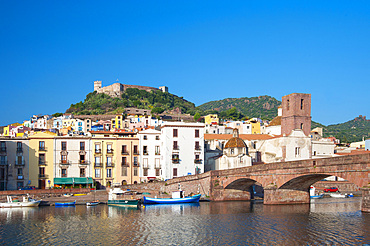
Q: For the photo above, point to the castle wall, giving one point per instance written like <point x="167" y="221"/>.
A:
<point x="116" y="89"/>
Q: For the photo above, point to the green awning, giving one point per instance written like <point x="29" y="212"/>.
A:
<point x="71" y="181"/>
<point x="83" y="180"/>
<point x="62" y="181"/>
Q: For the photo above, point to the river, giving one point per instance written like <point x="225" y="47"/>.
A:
<point x="325" y="221"/>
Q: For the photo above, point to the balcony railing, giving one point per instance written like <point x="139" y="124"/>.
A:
<point x="19" y="163"/>
<point x="176" y="160"/>
<point x="64" y="175"/>
<point x="98" y="164"/>
<point x="43" y="149"/>
<point x="197" y="161"/>
<point x="97" y="151"/>
<point x="124" y="152"/>
<point x="65" y="162"/>
<point x="83" y="162"/>
<point x="157" y="153"/>
<point x="176" y="147"/>
<point x="145" y="153"/>
<point x="109" y="164"/>
<point x="136" y="153"/>
<point x="43" y="176"/>
<point x="125" y="164"/>
<point x="43" y="163"/>
<point x="109" y="151"/>
<point x="198" y="148"/>
<point x="19" y="150"/>
<point x="20" y="177"/>
<point x="136" y="164"/>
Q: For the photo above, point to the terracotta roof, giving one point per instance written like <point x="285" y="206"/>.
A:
<point x="355" y="152"/>
<point x="276" y="121"/>
<point x="242" y="136"/>
<point x="235" y="143"/>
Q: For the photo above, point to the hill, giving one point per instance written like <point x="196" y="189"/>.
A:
<point x="157" y="101"/>
<point x="264" y="107"/>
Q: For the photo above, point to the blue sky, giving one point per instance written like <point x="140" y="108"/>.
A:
<point x="52" y="51"/>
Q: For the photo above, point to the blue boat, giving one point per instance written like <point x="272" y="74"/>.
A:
<point x="150" y="200"/>
<point x="59" y="204"/>
<point x="317" y="196"/>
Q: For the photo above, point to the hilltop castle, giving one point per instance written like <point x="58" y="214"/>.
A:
<point x="117" y="89"/>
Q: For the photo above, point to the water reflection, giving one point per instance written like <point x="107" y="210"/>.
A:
<point x="324" y="222"/>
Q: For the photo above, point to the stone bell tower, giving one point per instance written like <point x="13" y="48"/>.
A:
<point x="296" y="113"/>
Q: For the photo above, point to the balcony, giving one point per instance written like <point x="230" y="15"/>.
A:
<point x="198" y="148"/>
<point x="109" y="164"/>
<point x="20" y="177"/>
<point x="43" y="163"/>
<point x="83" y="162"/>
<point x="157" y="153"/>
<point x="176" y="161"/>
<point x="43" y="149"/>
<point x="197" y="161"/>
<point x="176" y="147"/>
<point x="98" y="164"/>
<point x="43" y="176"/>
<point x="65" y="162"/>
<point x="109" y="151"/>
<point x="19" y="150"/>
<point x="124" y="152"/>
<point x="19" y="163"/>
<point x="145" y="153"/>
<point x="136" y="153"/>
<point x="97" y="151"/>
<point x="124" y="164"/>
<point x="136" y="164"/>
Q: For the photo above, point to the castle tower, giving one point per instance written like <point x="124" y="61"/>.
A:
<point x="97" y="85"/>
<point x="163" y="88"/>
<point x="296" y="113"/>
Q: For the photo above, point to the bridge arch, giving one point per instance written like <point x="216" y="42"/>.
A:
<point x="303" y="183"/>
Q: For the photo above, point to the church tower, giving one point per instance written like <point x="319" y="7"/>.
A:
<point x="296" y="113"/>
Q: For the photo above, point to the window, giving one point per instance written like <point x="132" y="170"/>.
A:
<point x="124" y="171"/>
<point x="157" y="150"/>
<point x="156" y="137"/>
<point x="197" y="133"/>
<point x="175" y="133"/>
<point x="175" y="146"/>
<point x="145" y="172"/>
<point x="135" y="171"/>
<point x="97" y="148"/>
<point x="20" y="184"/>
<point x="64" y="145"/>
<point x="97" y="161"/>
<point x="301" y="104"/>
<point x="19" y="160"/>
<point x="297" y="151"/>
<point x="42" y="159"/>
<point x="82" y="158"/>
<point x="124" y="149"/>
<point x="231" y="151"/>
<point x="157" y="172"/>
<point x="109" y="161"/>
<point x="135" y="161"/>
<point x="197" y="147"/>
<point x="124" y="161"/>
<point x="135" y="150"/>
<point x="64" y="159"/>
<point x="19" y="171"/>
<point x="97" y="173"/>
<point x="175" y="172"/>
<point x="41" y="145"/>
<point x="109" y="173"/>
<point x="145" y="150"/>
<point x="19" y="146"/>
<point x="82" y="145"/>
<point x="301" y="125"/>
<point x="145" y="137"/>
<point x="314" y="153"/>
<point x="82" y="172"/>
<point x="64" y="172"/>
<point x="145" y="163"/>
<point x="109" y="149"/>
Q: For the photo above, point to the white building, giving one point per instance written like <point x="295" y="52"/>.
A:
<point x="72" y="157"/>
<point x="150" y="155"/>
<point x="182" y="149"/>
<point x="322" y="148"/>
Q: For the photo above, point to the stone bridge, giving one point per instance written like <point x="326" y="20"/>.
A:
<point x="283" y="182"/>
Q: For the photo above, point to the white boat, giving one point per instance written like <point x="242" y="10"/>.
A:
<point x="313" y="194"/>
<point x="92" y="203"/>
<point x="337" y="195"/>
<point x="27" y="202"/>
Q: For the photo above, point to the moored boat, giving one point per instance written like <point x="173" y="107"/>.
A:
<point x="26" y="202"/>
<point x="115" y="198"/>
<point x="60" y="204"/>
<point x="337" y="195"/>
<point x="317" y="196"/>
<point x="150" y="200"/>
<point x="93" y="203"/>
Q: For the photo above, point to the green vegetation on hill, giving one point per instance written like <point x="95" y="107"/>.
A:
<point x="157" y="101"/>
<point x="264" y="107"/>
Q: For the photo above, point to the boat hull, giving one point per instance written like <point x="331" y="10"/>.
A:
<point x="63" y="204"/>
<point x="149" y="200"/>
<point x="124" y="203"/>
<point x="92" y="203"/>
<point x="19" y="204"/>
<point x="317" y="197"/>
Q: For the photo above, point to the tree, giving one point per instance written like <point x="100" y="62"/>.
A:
<point x="197" y="116"/>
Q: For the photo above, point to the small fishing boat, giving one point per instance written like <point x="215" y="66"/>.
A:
<point x="93" y="203"/>
<point x="313" y="194"/>
<point x="337" y="195"/>
<point x="150" y="200"/>
<point x="317" y="196"/>
<point x="60" y="204"/>
<point x="26" y="202"/>
<point x="115" y="198"/>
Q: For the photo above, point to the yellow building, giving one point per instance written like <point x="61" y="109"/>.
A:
<point x="104" y="158"/>
<point x="256" y="126"/>
<point x="117" y="122"/>
<point x="41" y="159"/>
<point x="9" y="127"/>
<point x="66" y="123"/>
<point x="211" y="119"/>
